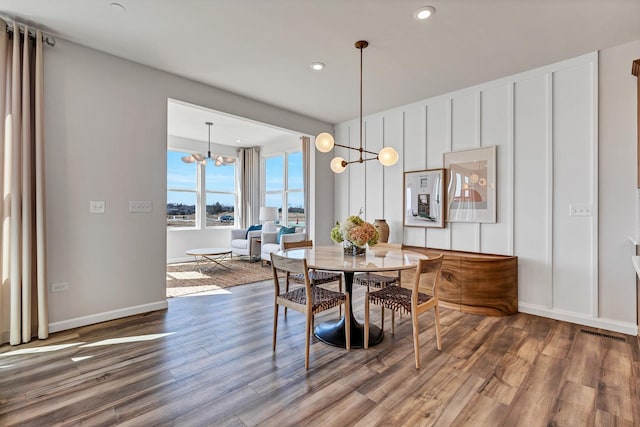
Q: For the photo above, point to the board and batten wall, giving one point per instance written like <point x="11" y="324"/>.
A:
<point x="544" y="123"/>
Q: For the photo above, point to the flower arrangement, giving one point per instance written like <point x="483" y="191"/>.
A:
<point x="354" y="231"/>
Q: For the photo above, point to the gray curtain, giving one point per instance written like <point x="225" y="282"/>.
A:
<point x="249" y="184"/>
<point x="23" y="293"/>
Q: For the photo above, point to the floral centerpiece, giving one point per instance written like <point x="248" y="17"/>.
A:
<point x="355" y="233"/>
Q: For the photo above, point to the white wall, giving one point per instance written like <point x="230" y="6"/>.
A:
<point x="545" y="125"/>
<point x="106" y="139"/>
<point x="618" y="194"/>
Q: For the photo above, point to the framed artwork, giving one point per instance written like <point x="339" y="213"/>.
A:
<point x="424" y="198"/>
<point x="471" y="185"/>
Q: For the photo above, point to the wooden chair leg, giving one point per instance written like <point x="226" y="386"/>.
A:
<point x="393" y="322"/>
<point x="286" y="289"/>
<point x="416" y="341"/>
<point x="307" y="340"/>
<point x="340" y="290"/>
<point x="275" y="325"/>
<point x="437" y="316"/>
<point x="382" y="317"/>
<point x="347" y="328"/>
<point x="366" y="320"/>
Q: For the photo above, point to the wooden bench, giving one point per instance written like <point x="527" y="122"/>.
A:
<point x="476" y="283"/>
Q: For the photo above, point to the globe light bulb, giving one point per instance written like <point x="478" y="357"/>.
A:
<point x="338" y="165"/>
<point x="388" y="156"/>
<point x="324" y="142"/>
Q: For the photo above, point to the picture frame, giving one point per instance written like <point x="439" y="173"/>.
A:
<point x="471" y="185"/>
<point x="424" y="198"/>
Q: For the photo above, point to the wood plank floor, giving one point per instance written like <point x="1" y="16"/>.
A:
<point x="207" y="361"/>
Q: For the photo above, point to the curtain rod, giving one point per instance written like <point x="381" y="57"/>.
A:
<point x="45" y="38"/>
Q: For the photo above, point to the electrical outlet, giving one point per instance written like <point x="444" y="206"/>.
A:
<point x="59" y="287"/>
<point x="96" y="207"/>
<point x="580" y="210"/>
<point x="137" y="206"/>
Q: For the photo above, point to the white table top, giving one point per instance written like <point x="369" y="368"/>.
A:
<point x="208" y="251"/>
<point x="332" y="258"/>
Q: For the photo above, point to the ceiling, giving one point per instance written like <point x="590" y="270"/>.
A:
<point x="189" y="121"/>
<point x="262" y="49"/>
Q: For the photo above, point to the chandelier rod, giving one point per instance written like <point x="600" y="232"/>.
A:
<point x="361" y="45"/>
<point x="209" y="124"/>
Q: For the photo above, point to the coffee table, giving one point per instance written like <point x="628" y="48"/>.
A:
<point x="214" y="255"/>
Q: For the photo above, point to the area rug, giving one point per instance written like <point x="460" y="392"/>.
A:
<point x="185" y="279"/>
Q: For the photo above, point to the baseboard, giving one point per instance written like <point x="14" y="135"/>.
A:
<point x="107" y="315"/>
<point x="594" y="322"/>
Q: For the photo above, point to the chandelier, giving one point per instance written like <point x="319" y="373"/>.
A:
<point x="218" y="159"/>
<point x="324" y="142"/>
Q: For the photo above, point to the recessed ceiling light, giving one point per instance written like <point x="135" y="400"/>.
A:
<point x="317" y="66"/>
<point x="424" y="12"/>
<point x="118" y="7"/>
<point x="238" y="141"/>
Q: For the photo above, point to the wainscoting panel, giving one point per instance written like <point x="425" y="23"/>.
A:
<point x="464" y="136"/>
<point x="415" y="157"/>
<point x="374" y="184"/>
<point x="437" y="145"/>
<point x="341" y="180"/>
<point x="464" y="122"/>
<point x="358" y="197"/>
<point x="533" y="191"/>
<point x="575" y="185"/>
<point x="496" y="128"/>
<point x="393" y="176"/>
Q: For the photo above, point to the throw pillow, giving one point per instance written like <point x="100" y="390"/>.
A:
<point x="285" y="230"/>
<point x="253" y="228"/>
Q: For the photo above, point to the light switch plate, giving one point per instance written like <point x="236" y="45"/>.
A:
<point x="96" y="207"/>
<point x="137" y="206"/>
<point x="580" y="210"/>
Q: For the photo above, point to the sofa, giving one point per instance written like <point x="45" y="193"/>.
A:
<point x="245" y="243"/>
<point x="269" y="245"/>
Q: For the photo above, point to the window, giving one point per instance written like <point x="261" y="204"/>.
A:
<point x="182" y="191"/>
<point x="283" y="186"/>
<point x="220" y="188"/>
<point x="199" y="195"/>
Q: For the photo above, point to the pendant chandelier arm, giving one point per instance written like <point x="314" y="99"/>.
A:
<point x="356" y="149"/>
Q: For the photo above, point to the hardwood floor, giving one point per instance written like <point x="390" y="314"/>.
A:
<point x="207" y="360"/>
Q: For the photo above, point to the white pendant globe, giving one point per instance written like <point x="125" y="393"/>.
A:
<point x="324" y="142"/>
<point x="337" y="165"/>
<point x="388" y="156"/>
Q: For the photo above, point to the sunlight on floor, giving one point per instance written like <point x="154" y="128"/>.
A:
<point x="123" y="340"/>
<point x="186" y="275"/>
<point x="80" y="358"/>
<point x="186" y="291"/>
<point x="43" y="349"/>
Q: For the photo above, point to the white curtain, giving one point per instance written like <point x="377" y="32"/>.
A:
<point x="23" y="293"/>
<point x="306" y="177"/>
<point x="249" y="184"/>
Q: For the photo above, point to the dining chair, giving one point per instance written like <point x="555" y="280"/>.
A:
<point x="316" y="277"/>
<point x="309" y="300"/>
<point x="379" y="281"/>
<point x="411" y="301"/>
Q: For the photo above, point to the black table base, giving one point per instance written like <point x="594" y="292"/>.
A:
<point x="332" y="332"/>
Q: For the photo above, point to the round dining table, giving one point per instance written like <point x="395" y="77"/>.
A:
<point x="332" y="258"/>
